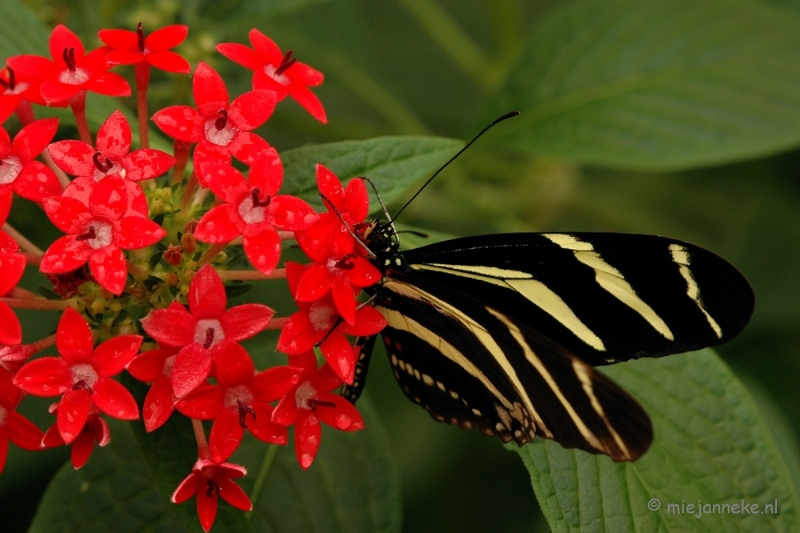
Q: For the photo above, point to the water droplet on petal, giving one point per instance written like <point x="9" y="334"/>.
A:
<point x="343" y="421"/>
<point x="306" y="459"/>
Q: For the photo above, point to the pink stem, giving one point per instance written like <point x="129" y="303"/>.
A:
<point x="63" y="179"/>
<point x="202" y="444"/>
<point x="142" y="81"/>
<point x="23" y="242"/>
<point x="250" y="275"/>
<point x="25" y="112"/>
<point x="181" y="154"/>
<point x="278" y="323"/>
<point x="78" y="105"/>
<point x="46" y="305"/>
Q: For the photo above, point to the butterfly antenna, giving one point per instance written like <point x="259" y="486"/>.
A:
<point x="385" y="211"/>
<point x="358" y="239"/>
<point x="484" y="130"/>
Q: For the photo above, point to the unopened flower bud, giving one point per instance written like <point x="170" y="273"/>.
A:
<point x="173" y="255"/>
<point x="184" y="289"/>
<point x="156" y="207"/>
<point x="190" y="226"/>
<point x="165" y="195"/>
<point x="189" y="243"/>
<point x="171" y="279"/>
<point x="98" y="306"/>
<point x="114" y="306"/>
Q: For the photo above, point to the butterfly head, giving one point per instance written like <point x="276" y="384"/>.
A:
<point x="381" y="240"/>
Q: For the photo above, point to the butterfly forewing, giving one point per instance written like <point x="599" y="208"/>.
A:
<point x="606" y="297"/>
<point x="472" y="366"/>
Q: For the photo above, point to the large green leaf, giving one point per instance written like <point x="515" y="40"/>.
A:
<point x="125" y="487"/>
<point x="711" y="447"/>
<point x="658" y="85"/>
<point x="393" y="164"/>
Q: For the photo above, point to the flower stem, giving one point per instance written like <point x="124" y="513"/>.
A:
<point x="78" y="105"/>
<point x="46" y="305"/>
<point x="63" y="179"/>
<point x="266" y="465"/>
<point x="250" y="275"/>
<point x="142" y="81"/>
<point x="186" y="198"/>
<point x="19" y="292"/>
<point x="278" y="323"/>
<point x="42" y="344"/>
<point x="211" y="253"/>
<point x="180" y="151"/>
<point x="24" y="112"/>
<point x="202" y="444"/>
<point x="23" y="242"/>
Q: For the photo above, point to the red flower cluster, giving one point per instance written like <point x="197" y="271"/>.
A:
<point x="111" y="263"/>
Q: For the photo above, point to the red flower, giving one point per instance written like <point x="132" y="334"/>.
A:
<point x="111" y="156"/>
<point x="13" y="356"/>
<point x="309" y="402"/>
<point x="12" y="264"/>
<point x="94" y="430"/>
<point x="276" y="71"/>
<point x="99" y="229"/>
<point x="70" y="71"/>
<point x="18" y="170"/>
<point x="10" y="329"/>
<point x="351" y="203"/>
<point x="202" y="332"/>
<point x="15" y="89"/>
<point x="83" y="375"/>
<point x="155" y="366"/>
<point x="252" y="209"/>
<point x="239" y="401"/>
<point x="130" y="47"/>
<point x="209" y="480"/>
<point x="14" y="426"/>
<point x="219" y="128"/>
<point x="318" y="323"/>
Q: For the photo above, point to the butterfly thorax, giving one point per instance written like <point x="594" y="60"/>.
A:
<point x="381" y="241"/>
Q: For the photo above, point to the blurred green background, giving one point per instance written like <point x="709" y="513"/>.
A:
<point x="444" y="67"/>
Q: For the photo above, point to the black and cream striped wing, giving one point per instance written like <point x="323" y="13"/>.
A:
<point x="604" y="297"/>
<point x="472" y="366"/>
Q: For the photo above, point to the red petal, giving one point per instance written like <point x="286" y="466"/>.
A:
<point x="192" y="367"/>
<point x="23" y="432"/>
<point x="248" y="147"/>
<point x="64" y="255"/>
<point x="271" y="384"/>
<point x="234" y="366"/>
<point x="10" y="329"/>
<point x="73" y="411"/>
<point x="109" y="84"/>
<point x="68" y="214"/>
<point x="207" y="297"/>
<point x="166" y="37"/>
<point x="368" y="322"/>
<point x="314" y="284"/>
<point x="148" y="366"/>
<point x="109" y="198"/>
<point x="297" y="335"/>
<point x="363" y="273"/>
<point x="137" y="232"/>
<point x="265" y="46"/>
<point x="12" y="267"/>
<point x="291" y="213"/>
<point x="331" y="187"/>
<point x="263" y="250"/>
<point x="36" y="67"/>
<point x="54" y="92"/>
<point x="180" y="122"/>
<point x="36" y="182"/>
<point x="246" y="320"/>
<point x="285" y="413"/>
<point x="169" y="61"/>
<point x="46" y="376"/>
<point x="74" y="338"/>
<point x="114" y="136"/>
<point x="123" y="57"/>
<point x="264" y="429"/>
<point x="302" y="74"/>
<point x="307" y="436"/>
<point x="309" y="102"/>
<point x="5" y="202"/>
<point x="31" y="140"/>
<point x="119" y="39"/>
<point x="62" y="38"/>
<point x="158" y="405"/>
<point x="112" y="356"/>
<point x="3" y="450"/>
<point x="205" y="403"/>
<point x="357" y="200"/>
<point x="239" y="53"/>
<point x="344" y="299"/>
<point x="266" y="173"/>
<point x="252" y="109"/>
<point x="146" y="163"/>
<point x="207" y="503"/>
<point x="226" y="435"/>
<point x="339" y="354"/>
<point x="218" y="226"/>
<point x="171" y="327"/>
<point x="343" y="417"/>
<point x="210" y="93"/>
<point x="82" y="448"/>
<point x="233" y="494"/>
<point x="224" y="180"/>
<point x="294" y="271"/>
<point x="114" y="400"/>
<point x="187" y="488"/>
<point x="109" y="268"/>
<point x="325" y="378"/>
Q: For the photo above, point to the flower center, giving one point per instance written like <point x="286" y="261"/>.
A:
<point x="322" y="315"/>
<point x="10" y="167"/>
<point x="105" y="167"/>
<point x="11" y="86"/>
<point x="253" y="208"/>
<point x="97" y="234"/>
<point x="276" y="73"/>
<point x="73" y="75"/>
<point x="209" y="333"/>
<point x="219" y="131"/>
<point x="305" y="393"/>
<point x="83" y="377"/>
<point x="237" y="395"/>
<point x="346" y="262"/>
<point x="169" y="362"/>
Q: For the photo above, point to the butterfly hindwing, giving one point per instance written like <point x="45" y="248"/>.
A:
<point x="474" y="367"/>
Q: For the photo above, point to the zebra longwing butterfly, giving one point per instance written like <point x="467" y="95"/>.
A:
<point x="501" y="332"/>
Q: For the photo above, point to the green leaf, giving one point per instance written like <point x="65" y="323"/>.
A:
<point x="711" y="446"/>
<point x="125" y="487"/>
<point x="658" y="85"/>
<point x="393" y="164"/>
